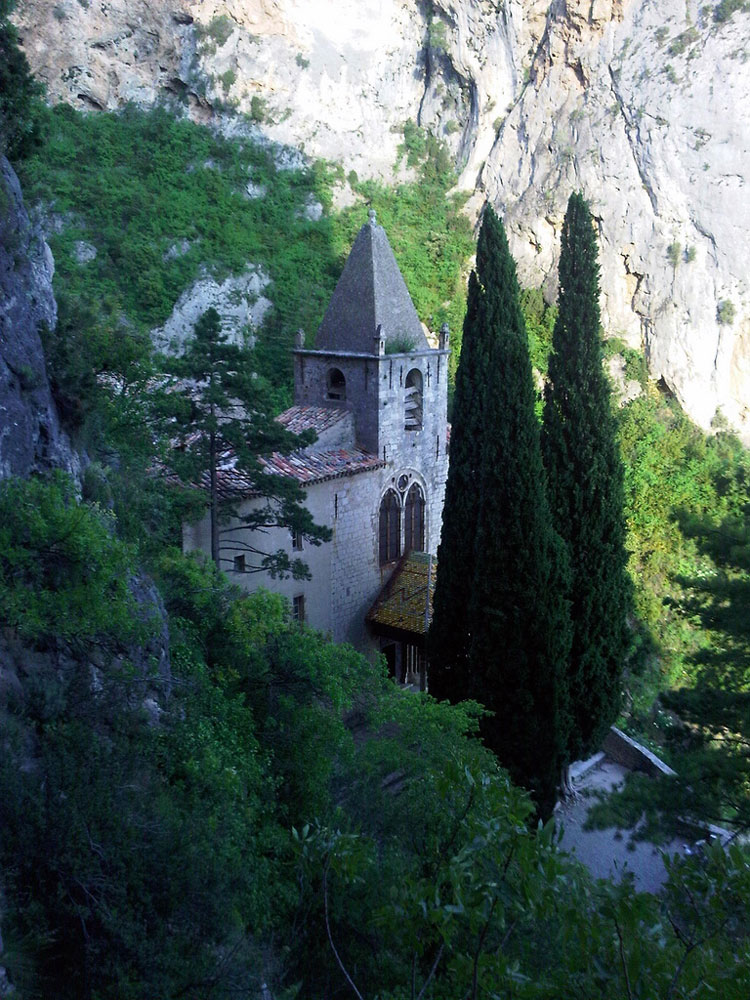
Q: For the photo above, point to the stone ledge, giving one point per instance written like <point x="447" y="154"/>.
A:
<point x="626" y="751"/>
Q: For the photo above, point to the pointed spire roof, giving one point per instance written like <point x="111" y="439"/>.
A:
<point x="370" y="294"/>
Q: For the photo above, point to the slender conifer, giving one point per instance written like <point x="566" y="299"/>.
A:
<point x="450" y="634"/>
<point x="507" y="572"/>
<point x="585" y="486"/>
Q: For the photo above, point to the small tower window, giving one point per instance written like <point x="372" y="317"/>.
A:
<point x="414" y="520"/>
<point x="390" y="528"/>
<point x="336" y="388"/>
<point x="413" y="401"/>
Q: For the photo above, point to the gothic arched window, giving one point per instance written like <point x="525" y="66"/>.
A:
<point x="336" y="387"/>
<point x="390" y="528"/>
<point x="413" y="401"/>
<point x="414" y="520"/>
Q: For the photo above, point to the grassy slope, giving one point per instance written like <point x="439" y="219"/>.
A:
<point x="136" y="184"/>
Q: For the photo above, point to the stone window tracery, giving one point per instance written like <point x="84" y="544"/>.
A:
<point x="414" y="510"/>
<point x="389" y="528"/>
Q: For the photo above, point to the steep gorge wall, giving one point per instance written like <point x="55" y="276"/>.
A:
<point x="638" y="103"/>
<point x="31" y="439"/>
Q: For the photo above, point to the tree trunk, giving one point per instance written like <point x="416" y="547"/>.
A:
<point x="214" y="501"/>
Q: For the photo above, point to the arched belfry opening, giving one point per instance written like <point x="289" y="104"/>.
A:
<point x="413" y="401"/>
<point x="414" y="511"/>
<point x="336" y="385"/>
<point x="389" y="528"/>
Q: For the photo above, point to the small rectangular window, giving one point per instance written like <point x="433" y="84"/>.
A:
<point x="298" y="608"/>
<point x="239" y="564"/>
<point x="297" y="541"/>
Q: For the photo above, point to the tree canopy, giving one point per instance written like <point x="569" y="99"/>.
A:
<point x="20" y="93"/>
<point x="223" y="412"/>
<point x="504" y="568"/>
<point x="585" y="489"/>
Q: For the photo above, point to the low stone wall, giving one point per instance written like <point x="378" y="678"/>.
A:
<point x="626" y="751"/>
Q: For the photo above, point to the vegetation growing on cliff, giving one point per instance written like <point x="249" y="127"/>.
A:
<point x="221" y="821"/>
<point x="20" y="93"/>
<point x="288" y="798"/>
<point x="138" y="184"/>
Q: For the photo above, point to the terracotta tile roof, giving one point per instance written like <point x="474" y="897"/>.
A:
<point x="306" y="468"/>
<point x="317" y="466"/>
<point x="404" y="604"/>
<point x="318" y="418"/>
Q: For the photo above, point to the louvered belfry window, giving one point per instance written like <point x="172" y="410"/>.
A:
<point x="414" y="520"/>
<point x="390" y="533"/>
<point x="413" y="401"/>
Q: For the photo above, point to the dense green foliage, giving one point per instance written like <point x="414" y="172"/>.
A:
<point x="137" y="185"/>
<point x="585" y="490"/>
<point x="218" y="405"/>
<point x="725" y="8"/>
<point x="672" y="469"/>
<point x="706" y="722"/>
<point x="508" y="605"/>
<point x="224" y="822"/>
<point x="202" y="828"/>
<point x="20" y="104"/>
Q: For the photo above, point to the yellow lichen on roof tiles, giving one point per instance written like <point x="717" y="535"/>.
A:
<point x="404" y="602"/>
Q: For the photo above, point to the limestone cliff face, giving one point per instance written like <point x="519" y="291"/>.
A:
<point x="30" y="436"/>
<point x="638" y="104"/>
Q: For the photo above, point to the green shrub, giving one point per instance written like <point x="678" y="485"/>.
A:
<point x="258" y="108"/>
<point x="725" y="312"/>
<point x="22" y="113"/>
<point x="301" y="61"/>
<point x="678" y="45"/>
<point x="437" y="37"/>
<point x="220" y="29"/>
<point x="674" y="253"/>
<point x="725" y="8"/>
<point x="63" y="574"/>
<point x="400" y="343"/>
<point x="228" y="79"/>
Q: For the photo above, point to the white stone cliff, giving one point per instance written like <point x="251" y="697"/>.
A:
<point x="638" y="103"/>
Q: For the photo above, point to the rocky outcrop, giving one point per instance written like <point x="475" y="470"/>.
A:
<point x="639" y="105"/>
<point x="238" y="300"/>
<point x="30" y="436"/>
<point x="642" y="108"/>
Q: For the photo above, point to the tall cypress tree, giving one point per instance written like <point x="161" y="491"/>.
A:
<point x="449" y="637"/>
<point x="506" y="573"/>
<point x="585" y="484"/>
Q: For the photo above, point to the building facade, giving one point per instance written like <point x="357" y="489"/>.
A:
<point x="376" y="394"/>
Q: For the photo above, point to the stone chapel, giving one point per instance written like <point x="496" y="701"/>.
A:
<point x="376" y="394"/>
